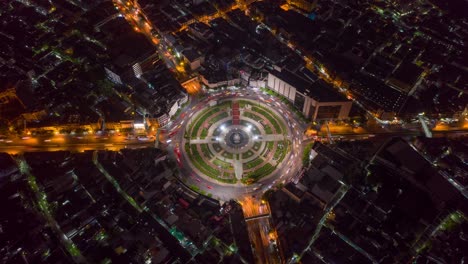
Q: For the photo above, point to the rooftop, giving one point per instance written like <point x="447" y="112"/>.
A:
<point x="318" y="90"/>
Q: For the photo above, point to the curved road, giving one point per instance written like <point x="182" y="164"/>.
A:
<point x="290" y="167"/>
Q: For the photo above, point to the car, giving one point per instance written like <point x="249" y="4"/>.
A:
<point x="197" y="179"/>
<point x="209" y="187"/>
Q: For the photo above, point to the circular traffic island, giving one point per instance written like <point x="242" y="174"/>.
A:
<point x="235" y="141"/>
<point x="236" y="138"/>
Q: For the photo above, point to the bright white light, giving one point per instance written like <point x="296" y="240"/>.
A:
<point x="223" y="127"/>
<point x="249" y="127"/>
<point x="139" y="125"/>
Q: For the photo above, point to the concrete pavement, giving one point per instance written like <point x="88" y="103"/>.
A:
<point x="292" y="162"/>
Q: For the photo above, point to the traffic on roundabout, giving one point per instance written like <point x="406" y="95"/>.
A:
<point x="234" y="143"/>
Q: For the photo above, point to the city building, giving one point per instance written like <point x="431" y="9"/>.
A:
<point x="315" y="99"/>
<point x="306" y="5"/>
<point x="105" y="138"/>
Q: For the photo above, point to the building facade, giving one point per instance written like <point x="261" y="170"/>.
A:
<point x="314" y="100"/>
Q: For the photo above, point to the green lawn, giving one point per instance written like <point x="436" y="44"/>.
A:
<point x="257" y="145"/>
<point x="270" y="116"/>
<point x="306" y="154"/>
<point x="280" y="153"/>
<point x="223" y="164"/>
<point x="228" y="155"/>
<point x="242" y="103"/>
<point x="195" y="126"/>
<point x="253" y="116"/>
<point x="206" y="151"/>
<point x="200" y="164"/>
<point x="202" y="117"/>
<point x="224" y="105"/>
<point x="204" y="168"/>
<point x="253" y="163"/>
<point x="270" y="145"/>
<point x="231" y="180"/>
<point x="247" y="154"/>
<point x="204" y="133"/>
<point x="218" y="117"/>
<point x="287" y="102"/>
<point x="260" y="172"/>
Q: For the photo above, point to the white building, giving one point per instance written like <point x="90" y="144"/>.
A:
<point x="315" y="99"/>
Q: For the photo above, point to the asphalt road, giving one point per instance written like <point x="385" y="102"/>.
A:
<point x="286" y="172"/>
<point x="14" y="145"/>
<point x="260" y="231"/>
<point x="292" y="162"/>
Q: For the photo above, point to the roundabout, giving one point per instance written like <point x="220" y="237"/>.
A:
<point x="230" y="146"/>
<point x="236" y="138"/>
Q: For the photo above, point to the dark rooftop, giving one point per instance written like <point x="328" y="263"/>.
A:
<point x="317" y="90"/>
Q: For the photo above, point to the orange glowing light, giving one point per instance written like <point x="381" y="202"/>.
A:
<point x="285" y="7"/>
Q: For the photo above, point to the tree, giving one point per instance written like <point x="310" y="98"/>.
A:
<point x="266" y="195"/>
<point x="105" y="87"/>
<point x="306" y="154"/>
<point x="3" y="127"/>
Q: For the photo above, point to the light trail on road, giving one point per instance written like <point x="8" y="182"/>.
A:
<point x="261" y="232"/>
<point x="226" y="192"/>
<point x="16" y="145"/>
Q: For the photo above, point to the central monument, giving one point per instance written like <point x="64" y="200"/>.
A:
<point x="236" y="137"/>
